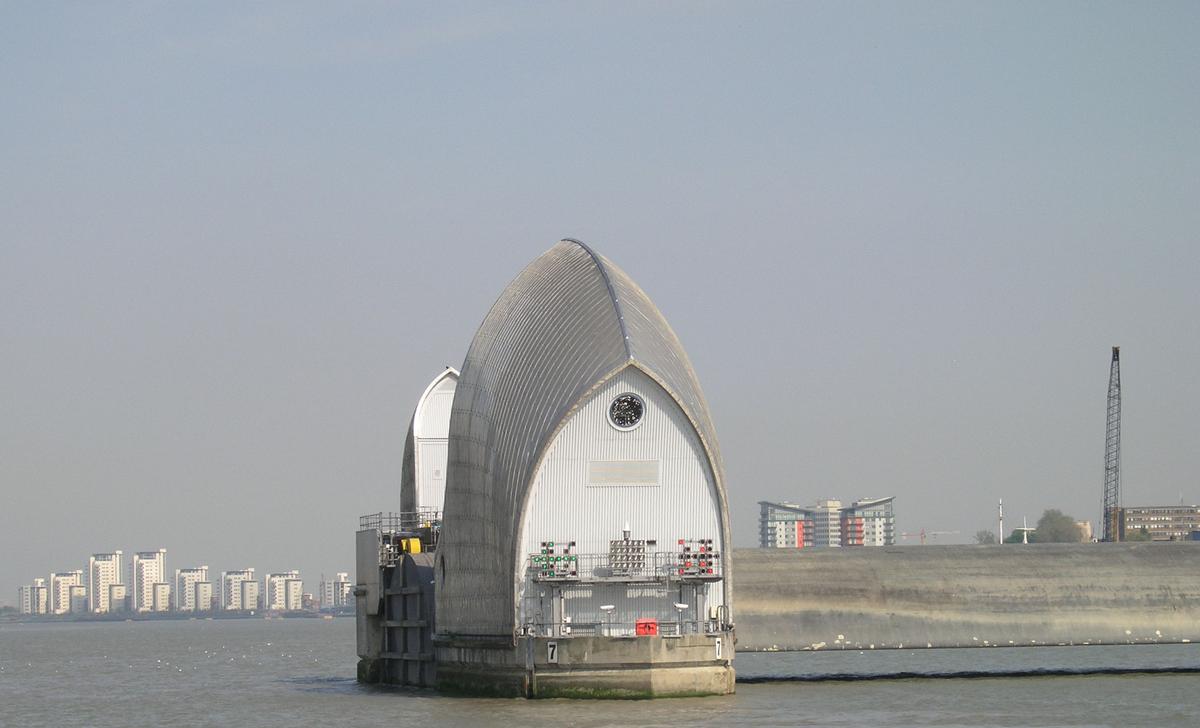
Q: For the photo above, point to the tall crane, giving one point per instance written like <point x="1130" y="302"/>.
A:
<point x="1113" y="520"/>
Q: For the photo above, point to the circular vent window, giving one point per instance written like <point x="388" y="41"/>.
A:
<point x="625" y="412"/>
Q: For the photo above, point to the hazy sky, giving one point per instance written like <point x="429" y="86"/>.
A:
<point x="897" y="239"/>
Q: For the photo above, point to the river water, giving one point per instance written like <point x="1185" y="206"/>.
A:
<point x="301" y="672"/>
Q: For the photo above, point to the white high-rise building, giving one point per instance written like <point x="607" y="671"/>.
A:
<point x="40" y="597"/>
<point x="104" y="570"/>
<point x="231" y="590"/>
<point x="60" y="589"/>
<point x="79" y="599"/>
<point x="162" y="597"/>
<point x="31" y="597"/>
<point x="118" y="597"/>
<point x="146" y="569"/>
<point x="335" y="594"/>
<point x="203" y="592"/>
<point x="278" y="590"/>
<point x="293" y="595"/>
<point x="249" y="594"/>
<point x="185" y="588"/>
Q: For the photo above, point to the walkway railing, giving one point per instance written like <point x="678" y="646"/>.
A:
<point x="657" y="566"/>
<point x="396" y="522"/>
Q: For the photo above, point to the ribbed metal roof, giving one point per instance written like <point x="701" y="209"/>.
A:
<point x="566" y="324"/>
<point x="408" y="474"/>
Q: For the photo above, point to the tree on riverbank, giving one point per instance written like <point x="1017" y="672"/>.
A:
<point x="1056" y="527"/>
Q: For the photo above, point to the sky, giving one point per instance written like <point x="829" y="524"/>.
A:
<point x="898" y="241"/>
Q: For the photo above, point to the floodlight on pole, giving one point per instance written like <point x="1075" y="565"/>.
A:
<point x="680" y="607"/>
<point x="608" y="609"/>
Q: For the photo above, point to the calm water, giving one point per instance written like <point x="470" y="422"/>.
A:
<point x="300" y="672"/>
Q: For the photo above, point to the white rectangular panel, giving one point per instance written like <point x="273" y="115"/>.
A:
<point x="622" y="472"/>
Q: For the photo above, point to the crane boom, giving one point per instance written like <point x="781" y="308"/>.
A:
<point x="1113" y="520"/>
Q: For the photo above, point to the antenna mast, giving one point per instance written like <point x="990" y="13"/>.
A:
<point x="1000" y="535"/>
<point x="1113" y="521"/>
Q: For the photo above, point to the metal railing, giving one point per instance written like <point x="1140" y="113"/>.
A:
<point x="658" y="566"/>
<point x="397" y="531"/>
<point x="604" y="628"/>
<point x="397" y="522"/>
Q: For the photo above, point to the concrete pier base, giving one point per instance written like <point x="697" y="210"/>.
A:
<point x="589" y="667"/>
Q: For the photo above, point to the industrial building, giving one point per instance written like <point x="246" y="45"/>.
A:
<point x="865" y="522"/>
<point x="1163" y="523"/>
<point x="583" y="544"/>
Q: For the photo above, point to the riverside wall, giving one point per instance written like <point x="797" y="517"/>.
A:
<point x="966" y="596"/>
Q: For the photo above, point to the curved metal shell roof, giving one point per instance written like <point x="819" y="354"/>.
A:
<point x="408" y="474"/>
<point x="566" y="324"/>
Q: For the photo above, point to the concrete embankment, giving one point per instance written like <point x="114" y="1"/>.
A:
<point x="960" y="596"/>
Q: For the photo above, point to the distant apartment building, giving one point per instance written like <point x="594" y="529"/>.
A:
<point x="118" y="597"/>
<point x="335" y="594"/>
<point x="203" y="595"/>
<point x="869" y="522"/>
<point x="249" y="594"/>
<point x="185" y="589"/>
<point x="147" y="569"/>
<point x="78" y="599"/>
<point x="1163" y="523"/>
<point x="866" y="522"/>
<point x="232" y="593"/>
<point x="104" y="571"/>
<point x="34" y="598"/>
<point x="162" y="597"/>
<point x="284" y="591"/>
<point x="61" y="583"/>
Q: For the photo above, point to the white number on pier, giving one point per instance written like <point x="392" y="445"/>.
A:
<point x="718" y="641"/>
<point x="552" y="652"/>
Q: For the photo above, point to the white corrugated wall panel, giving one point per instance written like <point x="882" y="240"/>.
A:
<point x="563" y="507"/>
<point x="431" y="473"/>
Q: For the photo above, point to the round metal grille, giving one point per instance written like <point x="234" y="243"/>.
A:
<point x="626" y="411"/>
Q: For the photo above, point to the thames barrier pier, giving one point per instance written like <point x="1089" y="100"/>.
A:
<point x="564" y="525"/>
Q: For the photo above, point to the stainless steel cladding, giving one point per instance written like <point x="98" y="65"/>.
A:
<point x="560" y="336"/>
